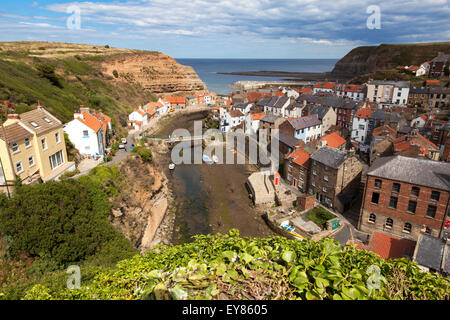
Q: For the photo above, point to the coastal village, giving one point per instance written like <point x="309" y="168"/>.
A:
<point x="366" y="164"/>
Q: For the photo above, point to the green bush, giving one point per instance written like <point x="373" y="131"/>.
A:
<point x="145" y="154"/>
<point x="47" y="71"/>
<point x="230" y="267"/>
<point x="62" y="221"/>
<point x="115" y="74"/>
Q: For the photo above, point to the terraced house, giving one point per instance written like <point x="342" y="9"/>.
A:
<point x="31" y="147"/>
<point x="406" y="197"/>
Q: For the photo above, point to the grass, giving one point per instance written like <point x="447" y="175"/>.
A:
<point x="320" y="216"/>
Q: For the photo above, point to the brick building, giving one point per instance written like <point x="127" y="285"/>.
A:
<point x="296" y="169"/>
<point x="406" y="197"/>
<point x="334" y="177"/>
<point x="438" y="66"/>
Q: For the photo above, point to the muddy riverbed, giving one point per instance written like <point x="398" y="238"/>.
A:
<point x="209" y="198"/>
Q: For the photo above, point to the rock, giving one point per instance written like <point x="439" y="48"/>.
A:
<point x="117" y="213"/>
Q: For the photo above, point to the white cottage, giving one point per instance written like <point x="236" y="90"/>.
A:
<point x="86" y="133"/>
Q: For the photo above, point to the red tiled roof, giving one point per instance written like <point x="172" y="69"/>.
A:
<point x="175" y="100"/>
<point x="363" y="113"/>
<point x="91" y="121"/>
<point x="433" y="83"/>
<point x="278" y="94"/>
<point x="334" y="140"/>
<point x="300" y="157"/>
<point x="389" y="247"/>
<point x="257" y="116"/>
<point x="325" y="85"/>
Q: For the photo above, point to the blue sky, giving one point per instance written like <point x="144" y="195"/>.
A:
<point x="228" y="28"/>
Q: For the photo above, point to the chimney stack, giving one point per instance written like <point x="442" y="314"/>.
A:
<point x="13" y="116"/>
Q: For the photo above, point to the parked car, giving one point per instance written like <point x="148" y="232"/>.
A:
<point x="124" y="140"/>
<point x="121" y="146"/>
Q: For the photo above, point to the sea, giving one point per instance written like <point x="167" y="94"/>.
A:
<point x="219" y="83"/>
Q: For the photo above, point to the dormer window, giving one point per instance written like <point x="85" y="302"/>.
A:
<point x="35" y="125"/>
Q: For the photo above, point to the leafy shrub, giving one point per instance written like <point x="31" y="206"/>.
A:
<point x="47" y="71"/>
<point x="230" y="267"/>
<point x="115" y="74"/>
<point x="62" y="221"/>
<point x="145" y="154"/>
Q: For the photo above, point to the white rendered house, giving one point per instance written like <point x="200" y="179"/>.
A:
<point x="86" y="133"/>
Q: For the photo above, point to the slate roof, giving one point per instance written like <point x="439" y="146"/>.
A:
<point x="433" y="174"/>
<point x="320" y="111"/>
<point x="330" y="157"/>
<point x="263" y="102"/>
<point x="419" y="90"/>
<point x="269" y="118"/>
<point x="378" y="115"/>
<point x="281" y="102"/>
<point x="429" y="251"/>
<point x="442" y="58"/>
<point x="288" y="140"/>
<point x="305" y="122"/>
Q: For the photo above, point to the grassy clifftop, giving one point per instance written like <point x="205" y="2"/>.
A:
<point x="64" y="76"/>
<point x="368" y="59"/>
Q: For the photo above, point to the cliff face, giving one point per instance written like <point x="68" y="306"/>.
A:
<point x="364" y="60"/>
<point x="155" y="72"/>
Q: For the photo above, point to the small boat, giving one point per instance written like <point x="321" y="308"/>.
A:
<point x="207" y="159"/>
<point x="171" y="166"/>
<point x="215" y="159"/>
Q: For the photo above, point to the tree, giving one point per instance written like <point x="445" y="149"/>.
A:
<point x="115" y="73"/>
<point x="61" y="221"/>
<point x="47" y="71"/>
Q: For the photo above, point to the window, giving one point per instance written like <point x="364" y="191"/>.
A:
<point x="407" y="227"/>
<point x="431" y="211"/>
<point x="85" y="133"/>
<point x="325" y="178"/>
<point x="435" y="195"/>
<point x="396" y="187"/>
<point x="415" y="191"/>
<point x="47" y="120"/>
<point x="31" y="161"/>
<point x="315" y="172"/>
<point x="56" y="160"/>
<point x="389" y="223"/>
<point x="27" y="142"/>
<point x="19" y="167"/>
<point x="35" y="125"/>
<point x="57" y="137"/>
<point x="44" y="144"/>
<point x="412" y="206"/>
<point x="377" y="183"/>
<point x="393" y="202"/>
<point x="372" y="218"/>
<point x="313" y="184"/>
<point x="326" y="168"/>
<point x="375" y="197"/>
<point x="427" y="230"/>
<point x="324" y="189"/>
<point x="15" y="147"/>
